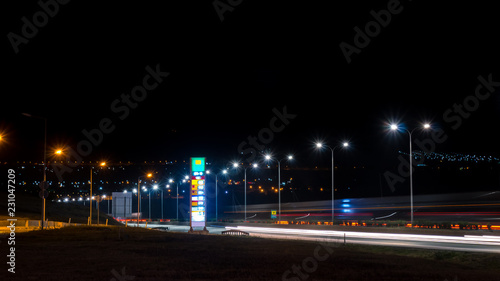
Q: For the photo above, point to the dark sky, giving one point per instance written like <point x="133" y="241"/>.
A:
<point x="226" y="77"/>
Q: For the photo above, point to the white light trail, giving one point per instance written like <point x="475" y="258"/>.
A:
<point x="467" y="239"/>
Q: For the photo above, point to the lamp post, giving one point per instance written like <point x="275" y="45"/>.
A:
<point x="320" y="145"/>
<point x="139" y="195"/>
<point x="90" y="195"/>
<point x="395" y="127"/>
<point x="155" y="187"/>
<point x="216" y="175"/>
<point x="269" y="157"/>
<point x="177" y="191"/>
<point x="44" y="185"/>
<point x="236" y="165"/>
<point x="167" y="186"/>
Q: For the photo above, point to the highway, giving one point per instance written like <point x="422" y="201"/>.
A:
<point x="472" y="243"/>
<point x="473" y="207"/>
<point x="477" y="207"/>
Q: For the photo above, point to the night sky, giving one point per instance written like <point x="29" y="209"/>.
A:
<point x="226" y="77"/>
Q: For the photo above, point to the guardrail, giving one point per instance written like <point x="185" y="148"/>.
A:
<point x="30" y="225"/>
<point x="235" y="232"/>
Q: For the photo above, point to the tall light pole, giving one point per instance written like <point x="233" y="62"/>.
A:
<point x="155" y="187"/>
<point x="102" y="164"/>
<point x="139" y="195"/>
<point x="177" y="190"/>
<point x="269" y="157"/>
<point x="44" y="184"/>
<point x="236" y="165"/>
<point x="395" y="127"/>
<point x="167" y="186"/>
<point x="216" y="193"/>
<point x="320" y="145"/>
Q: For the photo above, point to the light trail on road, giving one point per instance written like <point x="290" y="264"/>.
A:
<point x="458" y="243"/>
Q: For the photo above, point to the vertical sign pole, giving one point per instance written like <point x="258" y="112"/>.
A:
<point x="197" y="193"/>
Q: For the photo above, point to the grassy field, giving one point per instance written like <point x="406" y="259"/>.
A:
<point x="119" y="253"/>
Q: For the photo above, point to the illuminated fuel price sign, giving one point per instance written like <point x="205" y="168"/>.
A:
<point x="198" y="192"/>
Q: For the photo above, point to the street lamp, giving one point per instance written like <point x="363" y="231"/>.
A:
<point x="186" y="178"/>
<point x="236" y="165"/>
<point x="139" y="195"/>
<point x="216" y="196"/>
<point x="102" y="164"/>
<point x="269" y="157"/>
<point x="320" y="145"/>
<point x="155" y="187"/>
<point x="44" y="161"/>
<point x="395" y="127"/>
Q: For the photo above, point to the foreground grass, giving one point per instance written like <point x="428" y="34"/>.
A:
<point x="86" y="253"/>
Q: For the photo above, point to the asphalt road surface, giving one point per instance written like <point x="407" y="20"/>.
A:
<point x="473" y="243"/>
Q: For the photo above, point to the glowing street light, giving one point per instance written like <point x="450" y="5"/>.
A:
<point x="395" y="127"/>
<point x="254" y="165"/>
<point x="269" y="157"/>
<point x="102" y="164"/>
<point x="186" y="178"/>
<point x="155" y="187"/>
<point x="321" y="145"/>
<point x="44" y="158"/>
<point x="149" y="175"/>
<point x="224" y="172"/>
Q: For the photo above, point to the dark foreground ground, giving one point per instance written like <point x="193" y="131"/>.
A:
<point x="119" y="254"/>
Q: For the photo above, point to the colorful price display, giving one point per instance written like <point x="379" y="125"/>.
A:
<point x="198" y="203"/>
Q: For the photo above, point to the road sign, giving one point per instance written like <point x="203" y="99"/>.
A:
<point x="43" y="194"/>
<point x="43" y="185"/>
<point x="273" y="214"/>
<point x="198" y="192"/>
